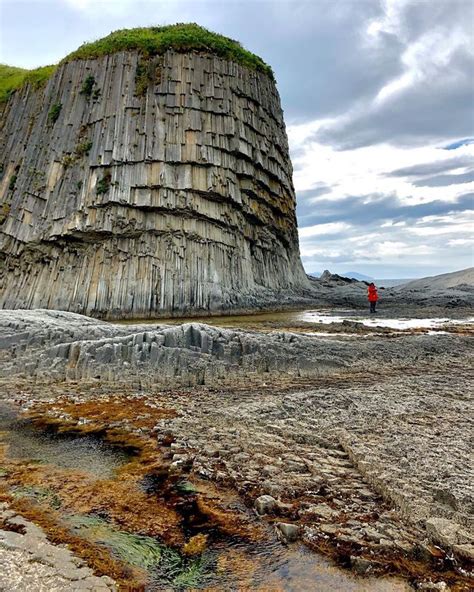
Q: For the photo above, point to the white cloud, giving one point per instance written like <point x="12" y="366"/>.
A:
<point x="363" y="171"/>
<point x="94" y="6"/>
<point x="454" y="224"/>
<point x="323" y="229"/>
<point x="433" y="243"/>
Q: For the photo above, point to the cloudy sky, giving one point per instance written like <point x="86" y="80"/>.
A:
<point x="378" y="98"/>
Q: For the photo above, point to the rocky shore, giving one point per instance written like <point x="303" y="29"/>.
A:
<point x="359" y="448"/>
<point x="30" y="562"/>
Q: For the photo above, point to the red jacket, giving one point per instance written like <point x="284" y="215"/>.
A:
<point x="372" y="294"/>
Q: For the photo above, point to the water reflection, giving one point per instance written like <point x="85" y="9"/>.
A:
<point x="313" y="319"/>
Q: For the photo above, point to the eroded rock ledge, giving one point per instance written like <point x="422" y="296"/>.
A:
<point x="58" y="345"/>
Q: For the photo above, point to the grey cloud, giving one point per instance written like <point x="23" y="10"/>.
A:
<point x="437" y="107"/>
<point x="327" y="258"/>
<point x="445" y="180"/>
<point x="363" y="211"/>
<point x="420" y="16"/>
<point x="432" y="168"/>
<point x="316" y="49"/>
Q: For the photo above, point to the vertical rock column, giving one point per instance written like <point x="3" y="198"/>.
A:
<point x="137" y="187"/>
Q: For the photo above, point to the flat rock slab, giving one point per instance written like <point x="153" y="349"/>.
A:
<point x="29" y="562"/>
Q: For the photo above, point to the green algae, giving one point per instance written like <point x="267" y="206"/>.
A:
<point x="166" y="565"/>
<point x="137" y="550"/>
<point x="38" y="494"/>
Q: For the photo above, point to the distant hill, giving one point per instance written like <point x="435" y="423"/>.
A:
<point x="445" y="280"/>
<point x="392" y="282"/>
<point x="355" y="275"/>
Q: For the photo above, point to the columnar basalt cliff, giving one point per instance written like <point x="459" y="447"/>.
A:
<point x="138" y="186"/>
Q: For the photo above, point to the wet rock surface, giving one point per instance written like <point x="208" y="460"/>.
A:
<point x="29" y="562"/>
<point x="362" y="453"/>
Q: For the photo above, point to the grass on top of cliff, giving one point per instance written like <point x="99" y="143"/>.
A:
<point x="149" y="41"/>
<point x="12" y="78"/>
<point x="180" y="37"/>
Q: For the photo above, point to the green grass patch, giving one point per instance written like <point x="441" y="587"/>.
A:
<point x="83" y="148"/>
<point x="150" y="41"/>
<point x="54" y="112"/>
<point x="103" y="185"/>
<point x="180" y="37"/>
<point x="12" y="184"/>
<point x="12" y="78"/>
<point x="87" y="86"/>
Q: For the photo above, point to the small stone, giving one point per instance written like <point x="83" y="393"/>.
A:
<point x="289" y="532"/>
<point x="269" y="470"/>
<point x="445" y="497"/>
<point x="434" y="586"/>
<point x="360" y="565"/>
<point x="320" y="510"/>
<point x="403" y="546"/>
<point x="365" y="493"/>
<point x="272" y="489"/>
<point x="371" y="534"/>
<point x="284" y="508"/>
<point x="447" y="532"/>
<point x="265" y="504"/>
<point x="464" y="551"/>
<point x="329" y="529"/>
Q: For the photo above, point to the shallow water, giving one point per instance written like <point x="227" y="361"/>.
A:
<point x="82" y="453"/>
<point x="231" y="565"/>
<point x="274" y="567"/>
<point x="317" y="318"/>
<point x="402" y="323"/>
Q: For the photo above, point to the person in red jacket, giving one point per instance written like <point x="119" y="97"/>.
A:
<point x="372" y="296"/>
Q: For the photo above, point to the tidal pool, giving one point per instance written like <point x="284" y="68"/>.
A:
<point x="313" y="319"/>
<point x="67" y="451"/>
<point x="225" y="562"/>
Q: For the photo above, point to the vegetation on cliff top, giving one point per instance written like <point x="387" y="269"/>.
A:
<point x="180" y="37"/>
<point x="12" y="78"/>
<point x="149" y="41"/>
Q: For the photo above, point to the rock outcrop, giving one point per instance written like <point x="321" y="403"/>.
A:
<point x="137" y="187"/>
<point x="54" y="346"/>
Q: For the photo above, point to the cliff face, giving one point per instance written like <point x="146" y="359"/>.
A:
<point x="134" y="188"/>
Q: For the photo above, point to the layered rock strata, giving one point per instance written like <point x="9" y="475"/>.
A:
<point x="140" y="187"/>
<point x="56" y="346"/>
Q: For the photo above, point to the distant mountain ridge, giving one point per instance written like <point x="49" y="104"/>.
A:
<point x="355" y="275"/>
<point x="445" y="280"/>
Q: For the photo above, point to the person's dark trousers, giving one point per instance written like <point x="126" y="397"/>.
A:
<point x="372" y="306"/>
